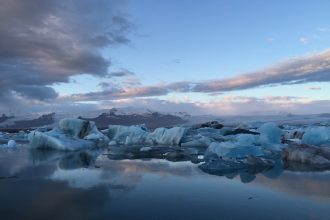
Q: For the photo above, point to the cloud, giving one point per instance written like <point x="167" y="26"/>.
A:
<point x="323" y="29"/>
<point x="304" y="40"/>
<point x="43" y="42"/>
<point x="121" y="78"/>
<point x="305" y="69"/>
<point x="115" y="93"/>
<point x="121" y="73"/>
<point x="36" y="92"/>
<point x="311" y="68"/>
<point x="270" y="39"/>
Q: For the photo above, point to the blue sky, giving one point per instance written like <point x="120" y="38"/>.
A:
<point x="202" y="40"/>
<point x="199" y="42"/>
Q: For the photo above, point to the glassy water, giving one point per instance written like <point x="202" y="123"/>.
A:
<point x="92" y="185"/>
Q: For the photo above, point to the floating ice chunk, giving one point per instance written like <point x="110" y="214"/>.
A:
<point x="11" y="144"/>
<point x="316" y="136"/>
<point x="270" y="135"/>
<point x="58" y="141"/>
<point x="127" y="135"/>
<point x="72" y="134"/>
<point x="79" y="128"/>
<point x="138" y="135"/>
<point x="164" y="136"/>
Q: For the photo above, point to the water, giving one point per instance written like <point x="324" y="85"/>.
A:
<point x="55" y="185"/>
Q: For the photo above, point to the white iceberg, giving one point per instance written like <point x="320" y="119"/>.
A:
<point x="164" y="136"/>
<point x="127" y="135"/>
<point x="138" y="135"/>
<point x="72" y="134"/>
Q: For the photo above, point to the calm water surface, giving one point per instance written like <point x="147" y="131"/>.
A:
<point x="89" y="185"/>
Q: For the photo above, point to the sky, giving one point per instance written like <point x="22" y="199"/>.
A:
<point x="221" y="57"/>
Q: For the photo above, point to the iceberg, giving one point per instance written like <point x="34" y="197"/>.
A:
<point x="316" y="136"/>
<point x="72" y="134"/>
<point x="270" y="136"/>
<point x="164" y="136"/>
<point x="138" y="135"/>
<point x="11" y="144"/>
<point x="127" y="135"/>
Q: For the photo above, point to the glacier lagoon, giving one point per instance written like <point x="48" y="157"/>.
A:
<point x="95" y="184"/>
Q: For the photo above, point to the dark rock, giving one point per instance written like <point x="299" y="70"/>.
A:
<point x="211" y="124"/>
<point x="241" y="131"/>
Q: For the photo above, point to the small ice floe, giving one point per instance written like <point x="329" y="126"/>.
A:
<point x="11" y="144"/>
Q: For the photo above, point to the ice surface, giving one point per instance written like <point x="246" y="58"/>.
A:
<point x="316" y="136"/>
<point x="232" y="149"/>
<point x="198" y="141"/>
<point x="246" y="140"/>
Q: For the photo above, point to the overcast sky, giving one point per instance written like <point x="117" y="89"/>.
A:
<point x="204" y="57"/>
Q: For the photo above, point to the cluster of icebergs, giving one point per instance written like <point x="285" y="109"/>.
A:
<point x="256" y="144"/>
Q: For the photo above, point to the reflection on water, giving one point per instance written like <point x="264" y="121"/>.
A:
<point x="92" y="184"/>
